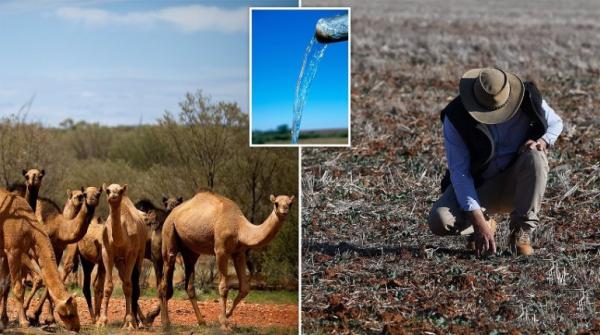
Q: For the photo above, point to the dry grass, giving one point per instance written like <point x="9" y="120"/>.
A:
<point x="370" y="263"/>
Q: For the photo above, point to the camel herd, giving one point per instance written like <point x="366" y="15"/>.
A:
<point x="36" y="235"/>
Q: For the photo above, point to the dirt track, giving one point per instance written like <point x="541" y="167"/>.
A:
<point x="181" y="313"/>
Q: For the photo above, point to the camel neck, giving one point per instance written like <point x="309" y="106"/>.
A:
<point x="73" y="230"/>
<point x="31" y="195"/>
<point x="257" y="236"/>
<point x="117" y="228"/>
<point x="70" y="210"/>
<point x="47" y="261"/>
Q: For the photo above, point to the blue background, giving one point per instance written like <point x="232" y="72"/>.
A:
<point x="118" y="73"/>
<point x="279" y="41"/>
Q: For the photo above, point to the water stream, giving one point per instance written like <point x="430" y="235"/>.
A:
<point x="312" y="57"/>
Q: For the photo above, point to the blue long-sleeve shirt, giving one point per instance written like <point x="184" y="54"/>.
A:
<point x="508" y="137"/>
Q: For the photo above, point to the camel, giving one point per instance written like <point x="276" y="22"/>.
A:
<point x="124" y="249"/>
<point x="21" y="232"/>
<point x="89" y="250"/>
<point x="33" y="182"/>
<point x="63" y="231"/>
<point x="212" y="224"/>
<point x="156" y="218"/>
<point x="74" y="201"/>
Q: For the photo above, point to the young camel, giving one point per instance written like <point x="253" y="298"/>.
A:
<point x="63" y="232"/>
<point x="212" y="224"/>
<point x="124" y="249"/>
<point x="20" y="232"/>
<point x="157" y="218"/>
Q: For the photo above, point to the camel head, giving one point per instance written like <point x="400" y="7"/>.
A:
<point x="67" y="311"/>
<point x="76" y="197"/>
<point x="92" y="195"/>
<point x="33" y="178"/>
<point x="282" y="204"/>
<point x="150" y="218"/>
<point x="114" y="193"/>
<point x="171" y="202"/>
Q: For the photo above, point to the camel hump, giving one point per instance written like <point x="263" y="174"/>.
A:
<point x="145" y="205"/>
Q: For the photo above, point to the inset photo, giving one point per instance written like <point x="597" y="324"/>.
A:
<point x="300" y="76"/>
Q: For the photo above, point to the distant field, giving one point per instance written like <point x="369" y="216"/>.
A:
<point x="370" y="264"/>
<point x="317" y="136"/>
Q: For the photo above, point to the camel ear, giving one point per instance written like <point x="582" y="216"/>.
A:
<point x="292" y="199"/>
<point x="272" y="198"/>
<point x="42" y="173"/>
<point x="24" y="172"/>
<point x="82" y="190"/>
<point x="103" y="188"/>
<point x="69" y="193"/>
<point x="180" y="199"/>
<point x="124" y="189"/>
<point x="164" y="199"/>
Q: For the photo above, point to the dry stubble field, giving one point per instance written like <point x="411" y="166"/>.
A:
<point x="370" y="263"/>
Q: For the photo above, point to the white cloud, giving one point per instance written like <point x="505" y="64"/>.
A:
<point x="190" y="18"/>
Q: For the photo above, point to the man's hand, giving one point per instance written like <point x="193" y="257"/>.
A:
<point x="539" y="145"/>
<point x="484" y="236"/>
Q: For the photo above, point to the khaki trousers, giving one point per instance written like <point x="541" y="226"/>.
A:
<point x="517" y="190"/>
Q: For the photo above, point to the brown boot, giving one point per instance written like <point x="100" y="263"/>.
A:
<point x="471" y="238"/>
<point x="520" y="242"/>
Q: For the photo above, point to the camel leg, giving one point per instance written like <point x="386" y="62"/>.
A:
<point x="107" y="261"/>
<point x="16" y="274"/>
<point x="222" y="258"/>
<point x="169" y="254"/>
<point x="37" y="283"/>
<point x="189" y="261"/>
<point x="137" y="313"/>
<point x="157" y="263"/>
<point x="4" y="290"/>
<point x="87" y="273"/>
<point x="98" y="285"/>
<point x="40" y="307"/>
<point x="239" y="261"/>
<point x="125" y="272"/>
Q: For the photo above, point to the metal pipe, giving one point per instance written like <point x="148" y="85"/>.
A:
<point x="332" y="29"/>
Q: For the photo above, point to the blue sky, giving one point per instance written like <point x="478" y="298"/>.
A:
<point x="279" y="41"/>
<point x="121" y="62"/>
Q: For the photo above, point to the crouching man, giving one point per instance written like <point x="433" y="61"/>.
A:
<point x="496" y="134"/>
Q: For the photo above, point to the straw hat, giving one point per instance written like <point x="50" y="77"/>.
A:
<point x="491" y="95"/>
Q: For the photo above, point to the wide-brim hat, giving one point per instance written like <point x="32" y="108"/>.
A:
<point x="491" y="95"/>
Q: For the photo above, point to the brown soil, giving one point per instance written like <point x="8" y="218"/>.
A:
<point x="181" y="313"/>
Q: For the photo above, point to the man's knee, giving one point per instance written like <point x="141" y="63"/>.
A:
<point x="536" y="160"/>
<point x="440" y="220"/>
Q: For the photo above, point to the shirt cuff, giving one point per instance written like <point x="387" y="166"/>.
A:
<point x="471" y="205"/>
<point x="549" y="140"/>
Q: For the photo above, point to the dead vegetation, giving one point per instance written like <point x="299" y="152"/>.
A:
<point x="370" y="263"/>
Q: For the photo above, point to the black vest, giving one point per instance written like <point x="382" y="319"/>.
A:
<point x="478" y="137"/>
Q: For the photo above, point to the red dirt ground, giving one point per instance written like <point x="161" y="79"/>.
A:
<point x="181" y="313"/>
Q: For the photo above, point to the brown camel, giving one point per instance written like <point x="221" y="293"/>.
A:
<point x="42" y="207"/>
<point x="89" y="251"/>
<point x="63" y="231"/>
<point x="212" y="224"/>
<point x="124" y="249"/>
<point x="20" y="233"/>
<point x="33" y="182"/>
<point x="156" y="217"/>
<point x="74" y="201"/>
